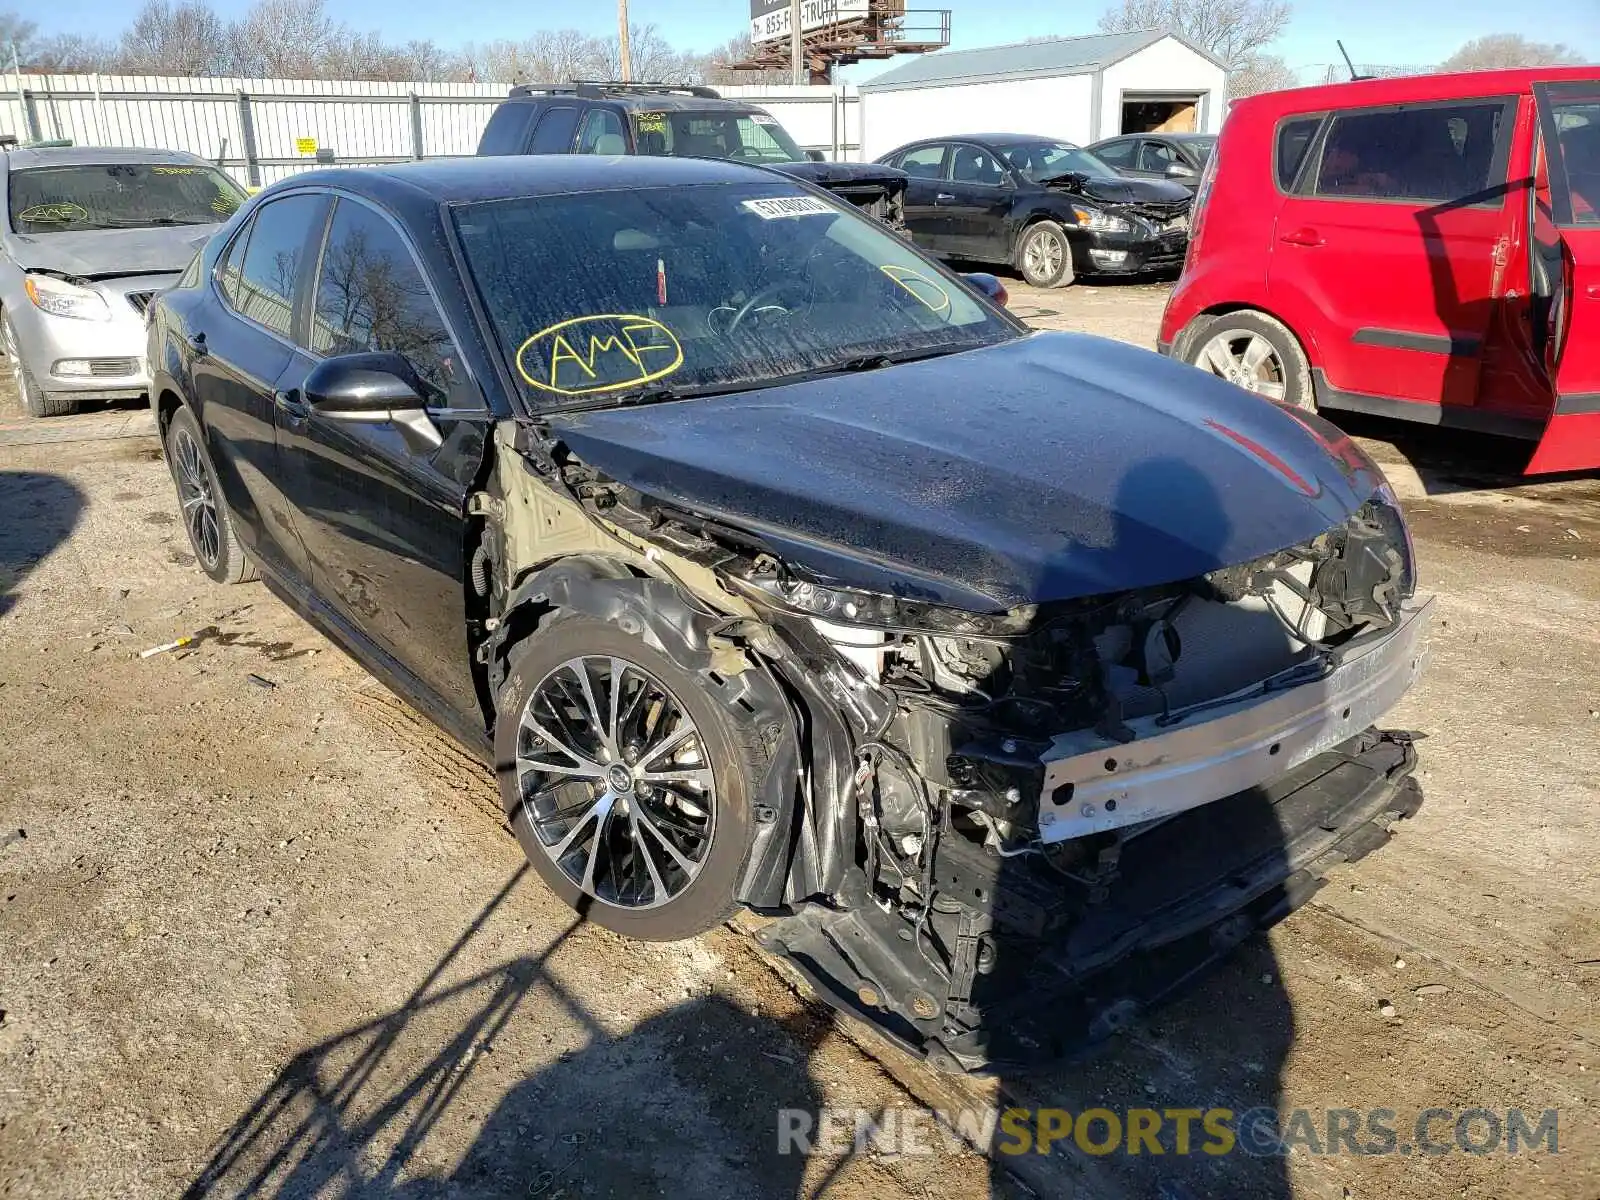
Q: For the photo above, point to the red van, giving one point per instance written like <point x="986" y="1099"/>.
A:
<point x="1425" y="248"/>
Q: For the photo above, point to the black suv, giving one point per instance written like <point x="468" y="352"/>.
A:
<point x="682" y="122"/>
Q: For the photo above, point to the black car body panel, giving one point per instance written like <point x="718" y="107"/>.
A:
<point x="984" y="222"/>
<point x="1056" y="466"/>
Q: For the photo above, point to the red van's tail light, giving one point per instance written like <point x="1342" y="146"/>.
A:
<point x="1197" y="210"/>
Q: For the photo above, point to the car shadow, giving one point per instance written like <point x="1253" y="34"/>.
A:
<point x="41" y="511"/>
<point x="681" y="1102"/>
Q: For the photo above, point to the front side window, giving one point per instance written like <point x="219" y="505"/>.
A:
<point x="602" y="133"/>
<point x="277" y="246"/>
<point x="120" y="196"/>
<point x="596" y="295"/>
<point x="371" y="296"/>
<point x="1433" y="154"/>
<point x="1156" y="156"/>
<point x="925" y="162"/>
<point x="745" y="137"/>
<point x="1039" y="161"/>
<point x="1572" y="112"/>
<point x="974" y="165"/>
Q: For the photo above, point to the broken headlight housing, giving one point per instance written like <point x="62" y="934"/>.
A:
<point x="876" y="610"/>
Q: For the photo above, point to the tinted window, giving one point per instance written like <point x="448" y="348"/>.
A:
<point x="120" y="196"/>
<point x="1434" y="153"/>
<point x="279" y="235"/>
<point x="553" y="133"/>
<point x="371" y="296"/>
<point x="972" y="165"/>
<point x="1155" y="156"/>
<point x="1577" y="124"/>
<point x="230" y="265"/>
<point x="1294" y="139"/>
<point x="507" y="129"/>
<point x="1118" y="154"/>
<point x="925" y="162"/>
<point x="602" y="133"/>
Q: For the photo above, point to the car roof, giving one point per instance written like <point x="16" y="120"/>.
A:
<point x="499" y="177"/>
<point x="99" y="156"/>
<point x="1417" y="89"/>
<point x="649" y="101"/>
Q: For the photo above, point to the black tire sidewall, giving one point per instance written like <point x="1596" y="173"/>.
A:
<point x="1045" y="229"/>
<point x="708" y="900"/>
<point x="228" y="566"/>
<point x="1297" y="391"/>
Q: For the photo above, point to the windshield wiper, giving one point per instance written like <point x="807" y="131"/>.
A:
<point x="874" y="362"/>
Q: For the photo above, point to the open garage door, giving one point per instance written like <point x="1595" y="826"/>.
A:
<point x="1160" y="114"/>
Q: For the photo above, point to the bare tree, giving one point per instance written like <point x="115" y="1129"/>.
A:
<point x="1260" y="73"/>
<point x="283" y="39"/>
<point x="1233" y="30"/>
<point x="714" y="67"/>
<point x="186" y="38"/>
<point x="1499" y="50"/>
<point x="69" y="53"/>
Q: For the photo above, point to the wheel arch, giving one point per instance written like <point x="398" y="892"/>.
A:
<point x="1308" y="345"/>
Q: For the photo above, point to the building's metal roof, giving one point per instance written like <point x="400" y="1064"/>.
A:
<point x="1022" y="60"/>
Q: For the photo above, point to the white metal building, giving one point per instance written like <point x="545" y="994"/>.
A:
<point x="1080" y="89"/>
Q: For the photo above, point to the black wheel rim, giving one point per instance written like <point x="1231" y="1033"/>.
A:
<point x="194" y="494"/>
<point x="615" y="782"/>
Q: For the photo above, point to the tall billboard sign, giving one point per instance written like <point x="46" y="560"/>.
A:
<point x="769" y="19"/>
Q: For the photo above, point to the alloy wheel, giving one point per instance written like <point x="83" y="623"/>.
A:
<point x="616" y="782"/>
<point x="1043" y="254"/>
<point x="1245" y="358"/>
<point x="195" y="496"/>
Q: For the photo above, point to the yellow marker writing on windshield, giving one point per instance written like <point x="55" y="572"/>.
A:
<point x="920" y="286"/>
<point x="599" y="353"/>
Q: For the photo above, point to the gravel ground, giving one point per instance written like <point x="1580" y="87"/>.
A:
<point x="261" y="931"/>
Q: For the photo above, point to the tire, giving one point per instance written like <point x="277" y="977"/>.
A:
<point x="1257" y="352"/>
<point x="625" y="899"/>
<point x="201" y="504"/>
<point x="1044" y="255"/>
<point x="36" y="402"/>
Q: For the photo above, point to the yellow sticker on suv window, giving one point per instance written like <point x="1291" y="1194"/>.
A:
<point x="923" y="287"/>
<point x="600" y="353"/>
<point x="58" y="210"/>
<point x="177" y="170"/>
<point x="650" y="122"/>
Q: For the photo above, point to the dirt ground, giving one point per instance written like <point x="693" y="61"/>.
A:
<point x="261" y="932"/>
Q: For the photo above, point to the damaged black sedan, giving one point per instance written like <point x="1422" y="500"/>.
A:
<point x="1016" y="676"/>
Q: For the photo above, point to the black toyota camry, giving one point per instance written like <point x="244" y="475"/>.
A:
<point x="771" y="564"/>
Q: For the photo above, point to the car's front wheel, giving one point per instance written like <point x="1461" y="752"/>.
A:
<point x="1255" y="351"/>
<point x="625" y="780"/>
<point x="204" y="510"/>
<point x="36" y="402"/>
<point x="1044" y="256"/>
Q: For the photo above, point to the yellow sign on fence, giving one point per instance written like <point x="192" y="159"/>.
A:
<point x="305" y="145"/>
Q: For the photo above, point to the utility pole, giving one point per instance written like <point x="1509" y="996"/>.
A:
<point x="622" y="41"/>
<point x="797" y="46"/>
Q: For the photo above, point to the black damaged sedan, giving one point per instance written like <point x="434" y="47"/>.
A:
<point x="1017" y="675"/>
<point x="1050" y="209"/>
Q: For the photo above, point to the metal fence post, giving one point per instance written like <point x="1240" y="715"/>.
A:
<point x="833" y="106"/>
<point x="416" y="126"/>
<point x="247" y="135"/>
<point x="30" y="113"/>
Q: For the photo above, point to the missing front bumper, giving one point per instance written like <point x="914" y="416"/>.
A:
<point x="1018" y="967"/>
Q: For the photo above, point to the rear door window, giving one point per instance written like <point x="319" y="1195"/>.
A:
<point x="1435" y="153"/>
<point x="1294" y="139"/>
<point x="553" y="133"/>
<point x="280" y="241"/>
<point x="1117" y="154"/>
<point x="602" y="133"/>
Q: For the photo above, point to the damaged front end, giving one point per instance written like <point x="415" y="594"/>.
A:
<point x="1007" y="833"/>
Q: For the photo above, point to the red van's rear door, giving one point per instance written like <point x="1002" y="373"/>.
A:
<point x="1569" y="122"/>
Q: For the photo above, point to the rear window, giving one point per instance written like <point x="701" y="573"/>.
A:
<point x="1294" y="139"/>
<point x="1436" y="153"/>
<point x="120" y="196"/>
<point x="745" y="137"/>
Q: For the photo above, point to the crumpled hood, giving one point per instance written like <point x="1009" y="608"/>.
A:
<point x="1127" y="190"/>
<point x="835" y="174"/>
<point x="90" y="252"/>
<point x="1049" y="467"/>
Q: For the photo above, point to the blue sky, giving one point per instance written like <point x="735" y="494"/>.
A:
<point x="1375" y="31"/>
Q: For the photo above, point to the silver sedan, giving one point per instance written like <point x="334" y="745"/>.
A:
<point x="87" y="236"/>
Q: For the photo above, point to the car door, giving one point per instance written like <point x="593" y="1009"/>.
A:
<point x="924" y="218"/>
<point x="977" y="201"/>
<point x="240" y="343"/>
<point x="1385" y="252"/>
<point x="1569" y="236"/>
<point x="381" y="516"/>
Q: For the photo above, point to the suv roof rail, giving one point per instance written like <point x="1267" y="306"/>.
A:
<point x="600" y="87"/>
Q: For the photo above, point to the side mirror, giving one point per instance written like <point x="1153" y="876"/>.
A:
<point x="373" y="388"/>
<point x="816" y="156"/>
<point x="1182" y="172"/>
<point x="991" y="287"/>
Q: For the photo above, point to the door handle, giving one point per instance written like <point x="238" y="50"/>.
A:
<point x="197" y="345"/>
<point x="291" y="405"/>
<point x="1304" y="236"/>
<point x="944" y="198"/>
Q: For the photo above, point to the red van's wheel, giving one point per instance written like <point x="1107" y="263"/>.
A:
<point x="1253" y="350"/>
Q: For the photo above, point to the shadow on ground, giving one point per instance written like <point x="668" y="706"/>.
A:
<point x="40" y="513"/>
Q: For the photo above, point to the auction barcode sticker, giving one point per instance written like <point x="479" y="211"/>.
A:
<point x="788" y="206"/>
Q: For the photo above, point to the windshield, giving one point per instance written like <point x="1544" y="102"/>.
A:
<point x="1046" y="160"/>
<point x="745" y="136"/>
<point x="596" y="295"/>
<point x="120" y="196"/>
